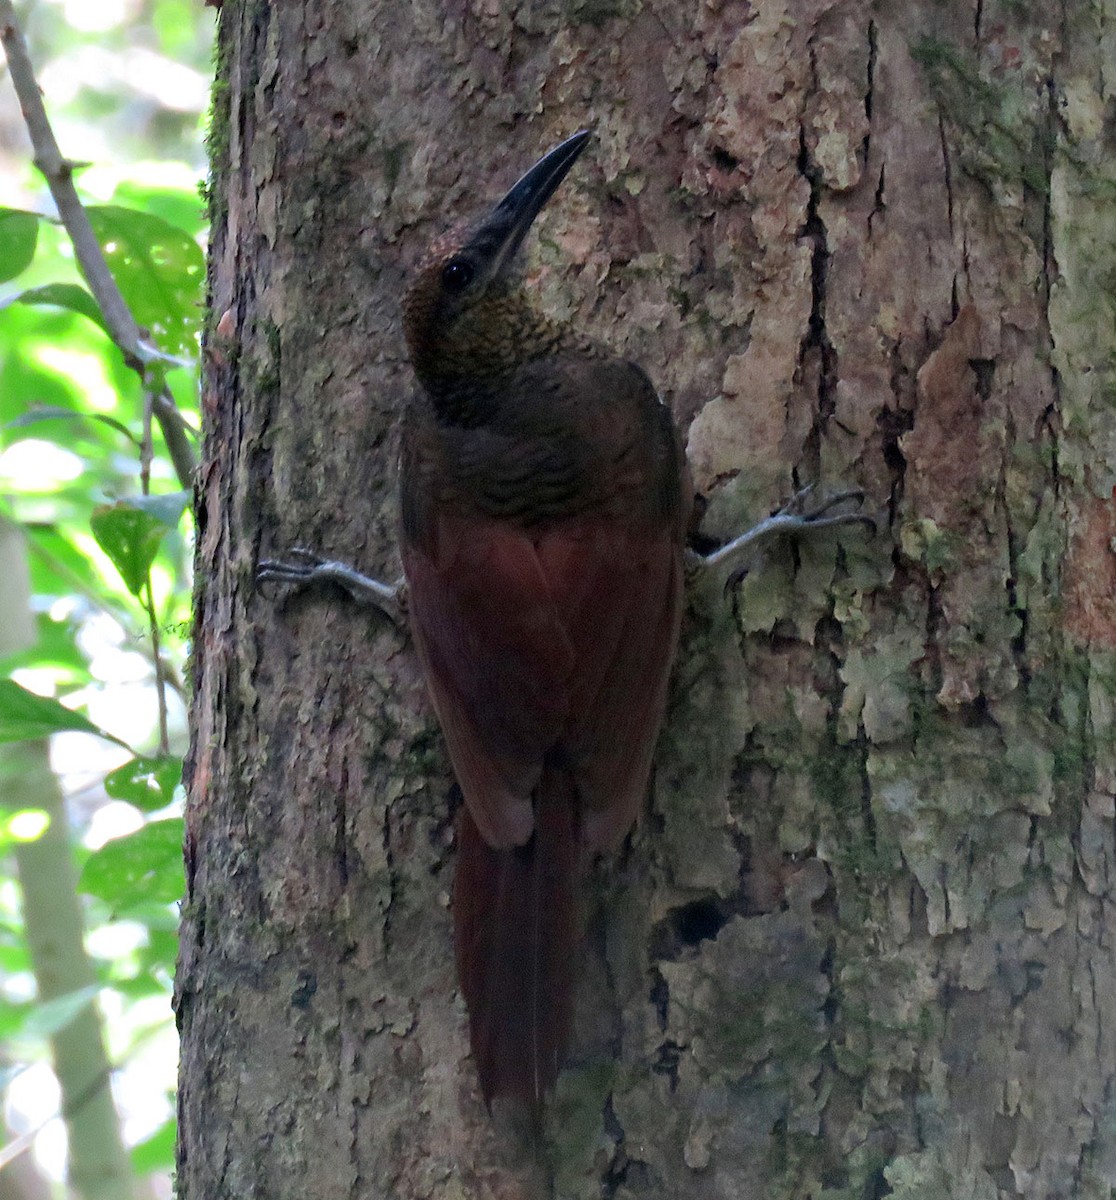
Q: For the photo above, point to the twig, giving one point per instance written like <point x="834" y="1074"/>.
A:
<point x="24" y="1141"/>
<point x="146" y="451"/>
<point x="160" y="680"/>
<point x="58" y="172"/>
<point x="156" y="653"/>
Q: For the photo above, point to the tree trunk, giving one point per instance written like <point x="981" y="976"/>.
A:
<point x="860" y="945"/>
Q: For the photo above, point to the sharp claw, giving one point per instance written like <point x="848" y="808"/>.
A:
<point x="290" y="572"/>
<point x="812" y="521"/>
<point x="796" y="506"/>
<point x="735" y="579"/>
<point x="273" y="570"/>
<point x="856" y="495"/>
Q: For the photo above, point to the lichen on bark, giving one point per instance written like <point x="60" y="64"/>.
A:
<point x="858" y="946"/>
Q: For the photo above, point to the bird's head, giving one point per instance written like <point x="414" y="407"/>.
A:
<point x="464" y="314"/>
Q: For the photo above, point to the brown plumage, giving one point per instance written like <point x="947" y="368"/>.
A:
<point x="544" y="501"/>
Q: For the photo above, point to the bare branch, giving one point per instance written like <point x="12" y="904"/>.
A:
<point x="58" y="172"/>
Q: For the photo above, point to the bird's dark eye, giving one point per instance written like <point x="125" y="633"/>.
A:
<point x="457" y="274"/>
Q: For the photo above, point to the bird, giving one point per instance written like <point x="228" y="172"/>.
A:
<point x="543" y="516"/>
<point x="544" y="505"/>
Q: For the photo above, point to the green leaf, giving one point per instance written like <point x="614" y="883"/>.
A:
<point x="19" y="232"/>
<point x="24" y="715"/>
<point x="155" y="1153"/>
<point x="64" y="295"/>
<point x="130" y="536"/>
<point x="141" y="866"/>
<point x="54" y="412"/>
<point x="54" y="648"/>
<point x="158" y="919"/>
<point x="58" y="567"/>
<point x="33" y="371"/>
<point x="180" y="206"/>
<point x="144" y="984"/>
<point x="167" y="507"/>
<point x="161" y="950"/>
<point x="39" y="1019"/>
<point x="49" y="1016"/>
<point x="146" y="782"/>
<point x="160" y="271"/>
<point x="14" y="959"/>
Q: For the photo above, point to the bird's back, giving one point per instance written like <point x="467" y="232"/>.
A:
<point x="543" y="551"/>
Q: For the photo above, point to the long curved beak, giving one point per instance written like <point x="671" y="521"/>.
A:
<point x="500" y="234"/>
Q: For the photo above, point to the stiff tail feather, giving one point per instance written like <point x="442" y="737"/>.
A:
<point x="516" y="934"/>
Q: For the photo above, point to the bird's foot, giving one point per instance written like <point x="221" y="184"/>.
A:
<point x="304" y="568"/>
<point x="800" y="516"/>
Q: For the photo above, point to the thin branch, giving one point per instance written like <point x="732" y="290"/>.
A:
<point x="23" y="1142"/>
<point x="58" y="172"/>
<point x="147" y="452"/>
<point x="160" y="677"/>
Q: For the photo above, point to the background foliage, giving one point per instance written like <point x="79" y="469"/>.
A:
<point x="126" y="86"/>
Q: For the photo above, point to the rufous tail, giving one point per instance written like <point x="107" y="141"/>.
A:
<point x="516" y="934"/>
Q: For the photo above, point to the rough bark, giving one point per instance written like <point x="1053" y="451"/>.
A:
<point x="860" y="945"/>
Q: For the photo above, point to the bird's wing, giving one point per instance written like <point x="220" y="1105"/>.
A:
<point x="619" y="590"/>
<point x="557" y="643"/>
<point x="498" y="663"/>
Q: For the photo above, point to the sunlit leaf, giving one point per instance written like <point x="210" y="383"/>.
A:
<point x="55" y="649"/>
<point x="146" y="782"/>
<point x="161" y="950"/>
<point x="24" y="715"/>
<point x="40" y="1019"/>
<point x="155" y="1153"/>
<point x="160" y="271"/>
<point x="14" y="959"/>
<point x="63" y="295"/>
<point x="49" y="1016"/>
<point x="58" y="566"/>
<point x="143" y="969"/>
<point x="143" y="985"/>
<point x="130" y="537"/>
<point x="12" y="1017"/>
<point x="23" y="383"/>
<point x="19" y="231"/>
<point x="181" y="206"/>
<point x="167" y="507"/>
<point x="54" y="356"/>
<point x="141" y="866"/>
